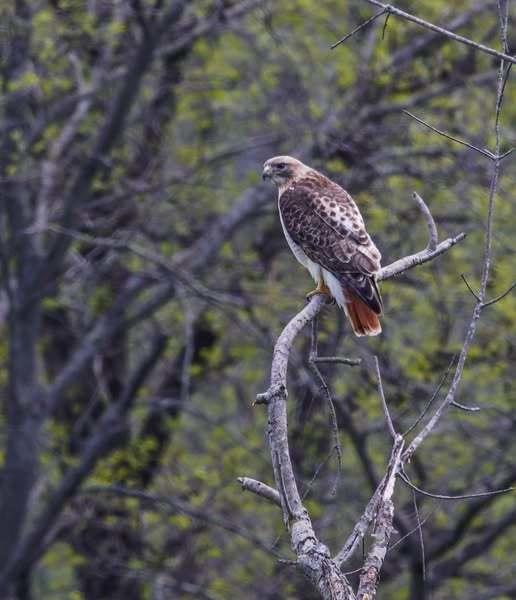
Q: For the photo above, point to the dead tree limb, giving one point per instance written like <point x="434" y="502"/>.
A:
<point x="260" y="489"/>
<point x="383" y="527"/>
<point x="313" y="557"/>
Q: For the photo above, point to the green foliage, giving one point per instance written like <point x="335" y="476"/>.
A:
<point x="191" y="147"/>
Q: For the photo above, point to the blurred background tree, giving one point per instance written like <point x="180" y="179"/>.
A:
<point x="144" y="278"/>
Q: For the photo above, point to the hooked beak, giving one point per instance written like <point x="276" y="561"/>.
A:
<point x="267" y="172"/>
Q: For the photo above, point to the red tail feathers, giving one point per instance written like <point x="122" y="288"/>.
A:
<point x="363" y="319"/>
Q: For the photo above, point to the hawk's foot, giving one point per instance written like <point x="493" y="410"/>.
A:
<point x="321" y="288"/>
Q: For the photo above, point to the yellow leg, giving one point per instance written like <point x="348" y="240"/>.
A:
<point x="321" y="288"/>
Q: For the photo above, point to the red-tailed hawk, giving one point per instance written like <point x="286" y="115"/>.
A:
<point x="327" y="235"/>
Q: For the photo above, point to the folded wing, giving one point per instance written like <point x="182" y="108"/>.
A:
<point x="323" y="219"/>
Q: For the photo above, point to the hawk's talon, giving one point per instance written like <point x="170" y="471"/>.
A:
<point x="323" y="289"/>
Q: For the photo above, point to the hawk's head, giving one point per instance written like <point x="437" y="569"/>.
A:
<point x="283" y="169"/>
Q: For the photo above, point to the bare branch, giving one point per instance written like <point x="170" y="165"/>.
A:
<point x="403" y="476"/>
<point x="320" y="466"/>
<point x="409" y="533"/>
<point x="390" y="425"/>
<point x="414" y="260"/>
<point x="260" y="489"/>
<point x="432" y="227"/>
<point x="421" y="538"/>
<point x="508" y="153"/>
<point x="431" y="251"/>
<point x="357" y="29"/>
<point x="341" y="360"/>
<point x="475" y="295"/>
<point x="360" y="529"/>
<point x="447" y="33"/>
<point x="500" y="297"/>
<point x="486" y="263"/>
<point x="399" y="58"/>
<point x="433" y="397"/>
<point x="384" y="28"/>
<point x="169" y="266"/>
<point x="484" y="152"/>
<point x="313" y="557"/>
<point x="464" y="407"/>
<point x="383" y="528"/>
<point x="166" y="502"/>
<point x="333" y="415"/>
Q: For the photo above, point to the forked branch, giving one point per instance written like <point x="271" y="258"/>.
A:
<point x="383" y="527"/>
<point x="313" y="556"/>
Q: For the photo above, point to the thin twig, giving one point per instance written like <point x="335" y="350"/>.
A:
<point x="500" y="297"/>
<point x="464" y="407"/>
<point x="402" y="475"/>
<point x="482" y="151"/>
<point x="174" y="270"/>
<point x="508" y="153"/>
<point x="388" y="419"/>
<point x="331" y="405"/>
<point x="343" y="360"/>
<point x="409" y="533"/>
<point x="475" y="295"/>
<point x="179" y="506"/>
<point x="357" y="29"/>
<point x="433" y="397"/>
<point x="361" y="526"/>
<point x="421" y="539"/>
<point x="384" y="28"/>
<point x="309" y="485"/>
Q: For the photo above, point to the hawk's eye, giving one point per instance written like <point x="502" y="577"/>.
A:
<point x="281" y="165"/>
